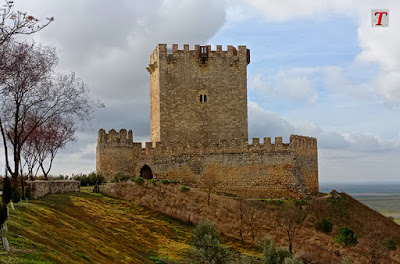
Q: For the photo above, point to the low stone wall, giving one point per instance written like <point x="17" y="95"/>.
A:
<point x="37" y="189"/>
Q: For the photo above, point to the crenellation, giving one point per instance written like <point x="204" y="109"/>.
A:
<point x="256" y="141"/>
<point x="137" y="146"/>
<point x="278" y="140"/>
<point x="130" y="135"/>
<point x="162" y="50"/>
<point x="123" y="135"/>
<point x="242" y="50"/>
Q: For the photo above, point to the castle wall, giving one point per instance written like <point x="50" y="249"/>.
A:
<point x="306" y="155"/>
<point x="255" y="170"/>
<point x="114" y="152"/>
<point x="37" y="189"/>
<point x="178" y="79"/>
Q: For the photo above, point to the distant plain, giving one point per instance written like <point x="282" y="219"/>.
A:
<point x="382" y="197"/>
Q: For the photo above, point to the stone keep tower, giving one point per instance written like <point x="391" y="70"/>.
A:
<point x="199" y="94"/>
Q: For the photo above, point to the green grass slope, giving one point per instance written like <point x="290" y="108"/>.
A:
<point x="92" y="228"/>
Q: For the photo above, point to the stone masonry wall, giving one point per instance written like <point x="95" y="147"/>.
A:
<point x="178" y="79"/>
<point x="37" y="189"/>
<point x="255" y="170"/>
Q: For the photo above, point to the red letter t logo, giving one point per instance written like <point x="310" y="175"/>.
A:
<point x="380" y="17"/>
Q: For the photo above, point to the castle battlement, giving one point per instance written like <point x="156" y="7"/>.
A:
<point x="162" y="49"/>
<point x="124" y="139"/>
<point x="114" y="138"/>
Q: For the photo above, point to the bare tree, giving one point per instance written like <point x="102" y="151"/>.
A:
<point x="253" y="219"/>
<point x="209" y="180"/>
<point x="45" y="141"/>
<point x="32" y="95"/>
<point x="18" y="23"/>
<point x="241" y="204"/>
<point x="289" y="220"/>
<point x="29" y="153"/>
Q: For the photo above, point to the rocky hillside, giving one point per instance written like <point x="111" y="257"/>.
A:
<point x="253" y="219"/>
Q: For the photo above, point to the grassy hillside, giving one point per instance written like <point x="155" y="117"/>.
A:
<point x="91" y="228"/>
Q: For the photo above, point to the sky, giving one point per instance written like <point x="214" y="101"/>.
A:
<point x="318" y="68"/>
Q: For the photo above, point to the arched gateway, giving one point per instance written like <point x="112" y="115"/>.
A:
<point x="146" y="173"/>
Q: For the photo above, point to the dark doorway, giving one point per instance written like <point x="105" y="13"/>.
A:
<point x="146" y="173"/>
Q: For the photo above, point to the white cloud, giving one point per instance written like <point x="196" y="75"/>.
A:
<point x="336" y="81"/>
<point x="379" y="45"/>
<point x="264" y="123"/>
<point x="293" y="85"/>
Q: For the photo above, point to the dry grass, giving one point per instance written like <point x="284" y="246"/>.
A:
<point x="95" y="228"/>
<point x="318" y="247"/>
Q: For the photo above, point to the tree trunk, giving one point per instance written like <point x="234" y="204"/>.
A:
<point x="23" y="187"/>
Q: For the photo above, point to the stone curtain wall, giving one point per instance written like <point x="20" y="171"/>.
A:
<point x="37" y="189"/>
<point x="255" y="170"/>
<point x="178" y="79"/>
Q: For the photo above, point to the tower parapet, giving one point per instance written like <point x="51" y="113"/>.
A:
<point x="114" y="138"/>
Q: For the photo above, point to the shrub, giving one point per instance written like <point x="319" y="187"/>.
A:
<point x="391" y="218"/>
<point x="346" y="237"/>
<point x="139" y="180"/>
<point x="293" y="260"/>
<point x="390" y="244"/>
<point x="157" y="260"/>
<point x="121" y="177"/>
<point x="274" y="255"/>
<point x="3" y="214"/>
<point x="347" y="260"/>
<point x="60" y="177"/>
<point x="204" y="227"/>
<point x="264" y="243"/>
<point x="90" y="179"/>
<point x="165" y="181"/>
<point x="207" y="245"/>
<point x="325" y="225"/>
<point x="152" y="181"/>
<point x="7" y="191"/>
<point x="300" y="202"/>
<point x="184" y="188"/>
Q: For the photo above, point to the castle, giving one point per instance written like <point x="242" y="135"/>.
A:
<point x="198" y="123"/>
